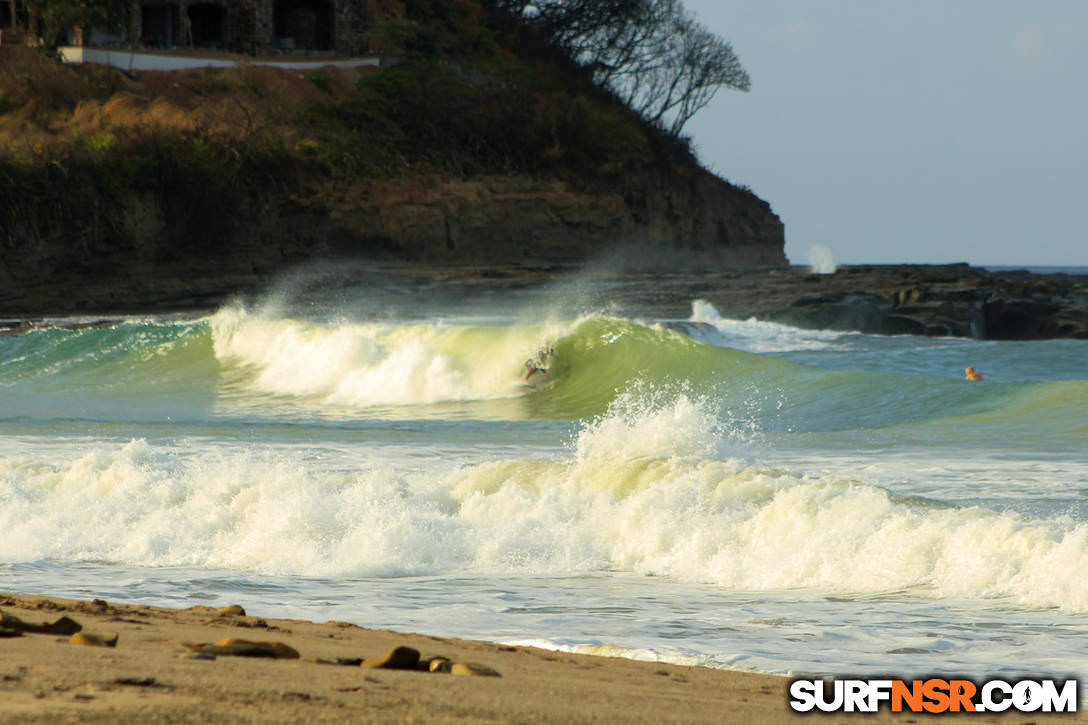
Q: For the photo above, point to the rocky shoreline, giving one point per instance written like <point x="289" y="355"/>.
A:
<point x="932" y="300"/>
<point x="954" y="300"/>
<point x="940" y="300"/>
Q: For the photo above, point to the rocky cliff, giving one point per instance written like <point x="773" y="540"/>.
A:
<point x="137" y="250"/>
<point x="655" y="221"/>
<point x="954" y="300"/>
<point x="120" y="192"/>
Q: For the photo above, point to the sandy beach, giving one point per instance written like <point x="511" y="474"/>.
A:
<point x="475" y="384"/>
<point x="149" y="676"/>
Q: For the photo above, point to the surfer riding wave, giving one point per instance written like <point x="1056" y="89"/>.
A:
<point x="539" y="363"/>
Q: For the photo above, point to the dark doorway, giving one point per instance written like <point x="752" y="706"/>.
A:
<point x="207" y="25"/>
<point x="156" y="26"/>
<point x="6" y="9"/>
<point x="308" y="23"/>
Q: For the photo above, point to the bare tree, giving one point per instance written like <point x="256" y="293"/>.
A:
<point x="656" y="57"/>
<point x="693" y="65"/>
<point x="574" y="25"/>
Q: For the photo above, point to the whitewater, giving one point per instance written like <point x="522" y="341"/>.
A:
<point x="701" y="490"/>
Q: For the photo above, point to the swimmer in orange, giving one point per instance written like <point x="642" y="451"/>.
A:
<point x="972" y="375"/>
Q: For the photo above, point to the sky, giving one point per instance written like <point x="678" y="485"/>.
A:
<point x="917" y="131"/>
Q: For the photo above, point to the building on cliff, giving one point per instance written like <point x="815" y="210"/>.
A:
<point x="12" y="14"/>
<point x="258" y="27"/>
<point x="334" y="27"/>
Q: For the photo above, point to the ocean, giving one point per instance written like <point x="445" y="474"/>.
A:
<point x="696" y="490"/>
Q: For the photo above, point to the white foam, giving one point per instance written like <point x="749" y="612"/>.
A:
<point x="641" y="654"/>
<point x="754" y="335"/>
<point x="375" y="364"/>
<point x="645" y="491"/>
<point x="646" y="423"/>
<point x="821" y="260"/>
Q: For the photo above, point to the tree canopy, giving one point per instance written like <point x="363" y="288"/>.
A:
<point x="58" y="16"/>
<point x="652" y="53"/>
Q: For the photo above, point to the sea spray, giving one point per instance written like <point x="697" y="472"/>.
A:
<point x="251" y="512"/>
<point x="835" y="502"/>
<point x="759" y="336"/>
<point x="372" y="363"/>
<point x="648" y="422"/>
<point x="649" y="489"/>
<point x="242" y="365"/>
<point x="821" y="260"/>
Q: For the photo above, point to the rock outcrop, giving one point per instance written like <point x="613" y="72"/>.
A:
<point x="656" y="221"/>
<point x="954" y="300"/>
<point x="934" y="300"/>
<point x="123" y="192"/>
<point x="142" y="251"/>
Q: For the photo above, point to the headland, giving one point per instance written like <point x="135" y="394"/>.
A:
<point x="482" y="156"/>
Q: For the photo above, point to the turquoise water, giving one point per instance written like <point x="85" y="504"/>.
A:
<point x="701" y="490"/>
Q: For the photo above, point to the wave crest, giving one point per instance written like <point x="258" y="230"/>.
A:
<point x="651" y="490"/>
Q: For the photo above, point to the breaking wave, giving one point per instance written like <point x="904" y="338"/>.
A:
<point x="656" y="487"/>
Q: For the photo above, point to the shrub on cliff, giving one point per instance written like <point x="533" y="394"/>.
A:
<point x="469" y="120"/>
<point x="57" y="17"/>
<point x="201" y="180"/>
<point x="475" y="96"/>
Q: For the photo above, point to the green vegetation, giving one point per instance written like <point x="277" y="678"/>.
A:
<point x="57" y="16"/>
<point x="470" y="120"/>
<point x="477" y="95"/>
<point x="473" y="97"/>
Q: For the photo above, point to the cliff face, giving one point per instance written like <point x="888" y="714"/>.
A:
<point x="656" y="221"/>
<point x="121" y="192"/>
<point x="138" y="249"/>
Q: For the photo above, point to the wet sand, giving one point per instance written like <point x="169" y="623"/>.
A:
<point x="147" y="677"/>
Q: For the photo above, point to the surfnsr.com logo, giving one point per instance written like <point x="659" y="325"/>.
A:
<point x="933" y="695"/>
